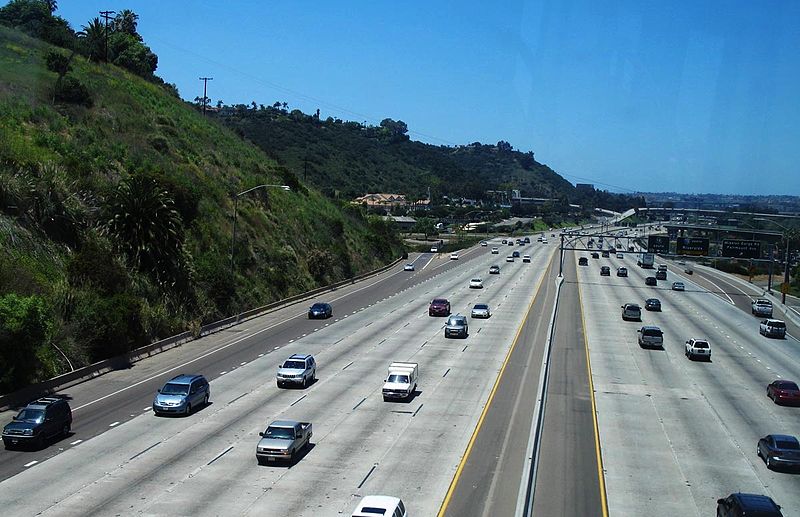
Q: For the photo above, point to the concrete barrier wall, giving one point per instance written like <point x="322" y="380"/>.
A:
<point x="34" y="391"/>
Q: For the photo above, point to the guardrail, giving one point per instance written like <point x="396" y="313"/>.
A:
<point x="99" y="368"/>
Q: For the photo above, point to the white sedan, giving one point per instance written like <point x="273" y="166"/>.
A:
<point x="476" y="283"/>
<point x="495" y="250"/>
<point x="678" y="286"/>
<point x="481" y="310"/>
<point x="408" y="267"/>
<point x="454" y="256"/>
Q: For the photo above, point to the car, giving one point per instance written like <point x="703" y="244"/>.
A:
<point x="380" y="506"/>
<point x="661" y="275"/>
<point x="38" y="422"/>
<point x="678" y="286"/>
<point x="652" y="304"/>
<point x="620" y="255"/>
<point x="688" y="270"/>
<point x="650" y="280"/>
<point x="454" y="256"/>
<point x="320" y="310"/>
<point x="456" y="326"/>
<point x="772" y="328"/>
<point x="494" y="270"/>
<point x="181" y="394"/>
<point x="510" y="242"/>
<point x="544" y="241"/>
<point x="495" y="250"/>
<point x="595" y="255"/>
<point x="408" y="267"/>
<point x="697" y="348"/>
<point x="779" y="451"/>
<point x="761" y="307"/>
<point x="434" y="249"/>
<point x="527" y="240"/>
<point x="539" y="238"/>
<point x="622" y="271"/>
<point x="509" y="258"/>
<point x="605" y="254"/>
<point x="515" y="254"/>
<point x="583" y="261"/>
<point x="631" y="311"/>
<point x="505" y="241"/>
<point x="283" y="440"/>
<point x="605" y="271"/>
<point x="297" y="369"/>
<point x="784" y="392"/>
<point x="526" y="258"/>
<point x="480" y="310"/>
<point x="484" y="243"/>
<point x="476" y="283"/>
<point x="439" y="307"/>
<point x="651" y="336"/>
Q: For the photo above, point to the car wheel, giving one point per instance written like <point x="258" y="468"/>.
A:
<point x="205" y="400"/>
<point x="40" y="442"/>
<point x="769" y="462"/>
<point x="65" y="430"/>
<point x="189" y="409"/>
<point x="305" y="382"/>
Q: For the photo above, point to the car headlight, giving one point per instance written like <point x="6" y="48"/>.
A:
<point x="27" y="432"/>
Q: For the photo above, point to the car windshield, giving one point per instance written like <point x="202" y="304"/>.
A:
<point x="318" y="307"/>
<point x="652" y="332"/>
<point x="279" y="433"/>
<point x="175" y="389"/>
<point x="700" y="344"/>
<point x="398" y="378"/>
<point x="788" y="386"/>
<point x="777" y="324"/>
<point x="787" y="445"/>
<point x="31" y="415"/>
<point x="294" y="365"/>
<point x="481" y="306"/>
<point x="476" y="279"/>
<point x="454" y="321"/>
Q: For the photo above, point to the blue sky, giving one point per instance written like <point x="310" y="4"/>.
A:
<point x="696" y="96"/>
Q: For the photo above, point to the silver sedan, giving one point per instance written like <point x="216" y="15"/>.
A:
<point x="481" y="310"/>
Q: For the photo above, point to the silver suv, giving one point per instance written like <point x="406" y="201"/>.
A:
<point x="651" y="337"/>
<point x="772" y="328"/>
<point x="631" y="311"/>
<point x="299" y="369"/>
<point x="456" y="326"/>
<point x="181" y="394"/>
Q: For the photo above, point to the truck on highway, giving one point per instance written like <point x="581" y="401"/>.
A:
<point x="646" y="260"/>
<point x="283" y="440"/>
<point x="401" y="381"/>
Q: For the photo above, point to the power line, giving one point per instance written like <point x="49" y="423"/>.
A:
<point x="205" y="90"/>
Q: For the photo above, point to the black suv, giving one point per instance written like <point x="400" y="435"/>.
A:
<point x="320" y="310"/>
<point x="739" y="505"/>
<point x="41" y="420"/>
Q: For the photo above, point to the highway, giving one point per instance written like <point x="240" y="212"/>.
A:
<point x="676" y="435"/>
<point x="122" y="460"/>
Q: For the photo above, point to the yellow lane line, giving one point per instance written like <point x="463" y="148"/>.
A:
<point x="474" y="436"/>
<point x="600" y="475"/>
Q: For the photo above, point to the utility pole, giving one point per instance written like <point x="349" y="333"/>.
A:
<point x="107" y="16"/>
<point x="205" y="89"/>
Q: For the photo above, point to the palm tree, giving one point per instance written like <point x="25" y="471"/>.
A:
<point x="95" y="40"/>
<point x="126" y="21"/>
<point x="143" y="224"/>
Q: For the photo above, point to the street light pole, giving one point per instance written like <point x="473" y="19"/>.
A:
<point x="235" y="210"/>
<point x="786" y="231"/>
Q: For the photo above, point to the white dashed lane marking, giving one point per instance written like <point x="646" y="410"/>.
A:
<point x="32" y="463"/>
<point x="114" y="424"/>
<point x="76" y="442"/>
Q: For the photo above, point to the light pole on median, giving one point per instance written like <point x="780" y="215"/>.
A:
<point x="235" y="209"/>
<point x="786" y="231"/>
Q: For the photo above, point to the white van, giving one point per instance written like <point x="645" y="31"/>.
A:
<point x="380" y="505"/>
<point x="401" y="381"/>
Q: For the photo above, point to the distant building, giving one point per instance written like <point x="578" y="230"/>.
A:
<point x="404" y="223"/>
<point x="584" y="187"/>
<point x="382" y="200"/>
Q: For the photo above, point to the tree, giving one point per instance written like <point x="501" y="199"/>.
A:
<point x="35" y="17"/>
<point x="129" y="52"/>
<point x="24" y="329"/>
<point x="126" y="22"/>
<point x="425" y="226"/>
<point x="94" y="43"/>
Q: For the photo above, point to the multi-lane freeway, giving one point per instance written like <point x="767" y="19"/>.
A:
<point x="626" y="430"/>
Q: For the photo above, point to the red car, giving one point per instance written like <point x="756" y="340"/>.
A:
<point x="784" y="393"/>
<point x="439" y="307"/>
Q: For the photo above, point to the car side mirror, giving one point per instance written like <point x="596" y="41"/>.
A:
<point x="687" y="342"/>
<point x="721" y="501"/>
<point x="159" y="390"/>
<point x="261" y="433"/>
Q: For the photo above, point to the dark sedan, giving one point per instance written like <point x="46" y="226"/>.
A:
<point x="320" y="310"/>
<point x="650" y="280"/>
<point x="439" y="307"/>
<point x="780" y="451"/>
<point x="652" y="304"/>
<point x="784" y="392"/>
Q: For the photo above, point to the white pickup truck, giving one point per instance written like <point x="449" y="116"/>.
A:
<point x="401" y="382"/>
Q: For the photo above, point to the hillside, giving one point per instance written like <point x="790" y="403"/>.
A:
<point x="349" y="159"/>
<point x="116" y="207"/>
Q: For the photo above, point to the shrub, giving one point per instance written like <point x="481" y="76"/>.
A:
<point x="71" y="90"/>
<point x="24" y="328"/>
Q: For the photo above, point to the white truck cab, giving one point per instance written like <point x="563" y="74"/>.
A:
<point x="401" y="381"/>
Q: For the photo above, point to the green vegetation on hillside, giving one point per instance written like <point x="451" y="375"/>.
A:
<point x="116" y="217"/>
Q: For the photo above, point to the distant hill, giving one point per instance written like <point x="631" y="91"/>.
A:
<point x="116" y="206"/>
<point x="351" y="159"/>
